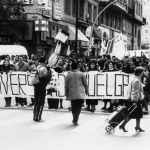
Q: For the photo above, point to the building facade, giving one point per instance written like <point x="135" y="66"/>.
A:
<point x="146" y="28"/>
<point x="124" y="16"/>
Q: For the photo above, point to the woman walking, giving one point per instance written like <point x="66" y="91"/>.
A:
<point x="135" y="96"/>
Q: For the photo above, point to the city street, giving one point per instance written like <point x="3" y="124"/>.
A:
<point x="19" y="132"/>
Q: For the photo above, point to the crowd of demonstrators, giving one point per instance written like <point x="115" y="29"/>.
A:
<point x="107" y="64"/>
<point x="104" y="63"/>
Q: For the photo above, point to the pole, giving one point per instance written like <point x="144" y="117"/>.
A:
<point x="96" y="20"/>
<point x="76" y="35"/>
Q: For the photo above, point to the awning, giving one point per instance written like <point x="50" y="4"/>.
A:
<point x="81" y="36"/>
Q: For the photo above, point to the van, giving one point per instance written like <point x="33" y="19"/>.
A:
<point x="12" y="51"/>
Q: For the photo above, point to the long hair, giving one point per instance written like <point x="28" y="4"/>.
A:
<point x="4" y="67"/>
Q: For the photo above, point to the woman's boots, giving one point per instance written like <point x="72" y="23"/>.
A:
<point x="8" y="101"/>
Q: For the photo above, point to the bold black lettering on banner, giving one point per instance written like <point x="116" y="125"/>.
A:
<point x="25" y="83"/>
<point x="97" y="85"/>
<point x="93" y="86"/>
<point x="107" y="85"/>
<point x="125" y="84"/>
<point x="11" y="83"/>
<point x="118" y="86"/>
<point x="59" y="94"/>
<point x="5" y="84"/>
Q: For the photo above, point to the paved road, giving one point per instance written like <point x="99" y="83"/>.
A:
<point x="19" y="132"/>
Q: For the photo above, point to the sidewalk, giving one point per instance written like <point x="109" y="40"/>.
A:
<point x="66" y="104"/>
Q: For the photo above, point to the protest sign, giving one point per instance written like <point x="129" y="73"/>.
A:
<point x="109" y="85"/>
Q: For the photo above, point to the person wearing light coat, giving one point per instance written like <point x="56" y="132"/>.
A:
<point x="135" y="96"/>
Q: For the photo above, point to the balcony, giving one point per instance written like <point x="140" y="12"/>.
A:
<point x="130" y="11"/>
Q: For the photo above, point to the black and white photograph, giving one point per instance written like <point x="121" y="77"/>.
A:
<point x="74" y="74"/>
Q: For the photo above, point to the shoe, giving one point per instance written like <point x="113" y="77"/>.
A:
<point x="19" y="106"/>
<point x="139" y="129"/>
<point x="103" y="108"/>
<point x="36" y="120"/>
<point x="61" y="107"/>
<point x="9" y="105"/>
<point x="87" y="108"/>
<point x="93" y="109"/>
<point x="75" y="123"/>
<point x="123" y="128"/>
<point x="145" y="112"/>
<point x="16" y="104"/>
<point x="69" y="108"/>
<point x="30" y="105"/>
<point x="25" y="106"/>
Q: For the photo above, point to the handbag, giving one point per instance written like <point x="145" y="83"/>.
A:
<point x="35" y="78"/>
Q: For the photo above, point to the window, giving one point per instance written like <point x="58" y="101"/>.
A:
<point x="135" y="31"/>
<point x="107" y="19"/>
<point x="81" y="9"/>
<point x="95" y="13"/>
<point x="90" y="11"/>
<point x="146" y="31"/>
<point x="136" y="7"/>
<point x="74" y="8"/>
<point x="124" y="25"/>
<point x="102" y="18"/>
<point x="129" y="29"/>
<point x="132" y="29"/>
<point x="141" y="10"/>
<point x="67" y="6"/>
<point x="115" y="22"/>
<point x="118" y="24"/>
<point x="111" y="20"/>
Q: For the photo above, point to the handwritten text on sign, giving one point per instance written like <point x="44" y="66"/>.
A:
<point x="111" y="85"/>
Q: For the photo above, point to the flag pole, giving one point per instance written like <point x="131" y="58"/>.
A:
<point x="96" y="21"/>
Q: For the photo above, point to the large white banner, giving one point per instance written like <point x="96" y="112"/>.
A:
<point x="111" y="85"/>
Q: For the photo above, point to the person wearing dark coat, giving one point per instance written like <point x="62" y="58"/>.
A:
<point x="6" y="67"/>
<point x="40" y="89"/>
<point x="76" y="89"/>
<point x="135" y="96"/>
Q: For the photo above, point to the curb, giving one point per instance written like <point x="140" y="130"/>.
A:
<point x="59" y="110"/>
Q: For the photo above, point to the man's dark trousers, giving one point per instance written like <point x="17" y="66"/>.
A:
<point x="76" y="106"/>
<point x="39" y="95"/>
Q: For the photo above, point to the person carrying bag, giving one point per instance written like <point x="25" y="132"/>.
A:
<point x="135" y="96"/>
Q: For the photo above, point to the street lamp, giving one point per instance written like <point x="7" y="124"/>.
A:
<point x="96" y="21"/>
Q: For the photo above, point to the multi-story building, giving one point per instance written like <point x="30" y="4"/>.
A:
<point x="146" y="28"/>
<point x="124" y="16"/>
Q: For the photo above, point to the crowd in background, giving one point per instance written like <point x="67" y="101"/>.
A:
<point x="104" y="63"/>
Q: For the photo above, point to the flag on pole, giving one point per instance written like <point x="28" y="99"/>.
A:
<point x="103" y="47"/>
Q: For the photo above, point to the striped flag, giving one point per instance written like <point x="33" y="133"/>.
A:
<point x="41" y="25"/>
<point x="110" y="45"/>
